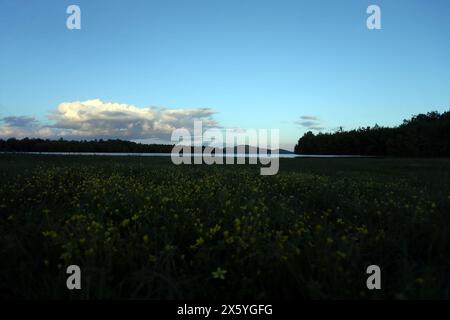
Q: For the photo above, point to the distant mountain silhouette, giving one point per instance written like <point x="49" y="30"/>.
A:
<point x="255" y="150"/>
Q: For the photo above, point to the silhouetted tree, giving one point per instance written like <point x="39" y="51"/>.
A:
<point x="424" y="135"/>
<point x="61" y="145"/>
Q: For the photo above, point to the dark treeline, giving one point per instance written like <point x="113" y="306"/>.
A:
<point x="100" y="146"/>
<point x="115" y="146"/>
<point x="424" y="135"/>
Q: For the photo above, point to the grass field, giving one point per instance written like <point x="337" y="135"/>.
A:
<point x="144" y="228"/>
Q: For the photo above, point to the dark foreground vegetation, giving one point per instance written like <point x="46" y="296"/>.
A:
<point x="425" y="135"/>
<point x="144" y="228"/>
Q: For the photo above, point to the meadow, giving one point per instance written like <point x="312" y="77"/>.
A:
<point x="142" y="228"/>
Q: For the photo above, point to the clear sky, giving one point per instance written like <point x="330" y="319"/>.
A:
<point x="293" y="65"/>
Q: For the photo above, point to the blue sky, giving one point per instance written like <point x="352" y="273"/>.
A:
<point x="255" y="63"/>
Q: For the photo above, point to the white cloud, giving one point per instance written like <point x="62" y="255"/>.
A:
<point x="108" y="120"/>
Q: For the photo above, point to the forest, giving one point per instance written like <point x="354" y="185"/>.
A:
<point x="424" y="135"/>
<point x="61" y="145"/>
<point x="109" y="146"/>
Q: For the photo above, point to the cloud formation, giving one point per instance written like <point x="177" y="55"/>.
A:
<point x="21" y="121"/>
<point x="107" y="120"/>
<point x="313" y="118"/>
<point x="310" y="123"/>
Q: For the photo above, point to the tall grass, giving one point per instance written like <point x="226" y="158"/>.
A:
<point x="142" y="228"/>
